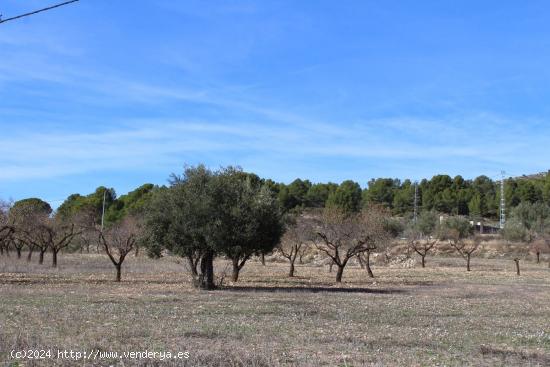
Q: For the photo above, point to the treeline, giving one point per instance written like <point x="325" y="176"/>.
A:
<point x="204" y="214"/>
<point x="479" y="197"/>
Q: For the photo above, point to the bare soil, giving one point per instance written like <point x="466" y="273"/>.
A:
<point x="440" y="315"/>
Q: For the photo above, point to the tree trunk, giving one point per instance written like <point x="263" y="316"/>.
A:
<point x="262" y="258"/>
<point x="54" y="258"/>
<point x="517" y="266"/>
<point x="291" y="271"/>
<point x="538" y="257"/>
<point x="423" y="260"/>
<point x="235" y="274"/>
<point x="18" y="252"/>
<point x="1" y="250"/>
<point x="192" y="267"/>
<point x="468" y="262"/>
<point x="41" y="257"/>
<point x="361" y="263"/>
<point x="29" y="255"/>
<point x="367" y="265"/>
<point x="339" y="273"/>
<point x="206" y="278"/>
<point x="118" y="272"/>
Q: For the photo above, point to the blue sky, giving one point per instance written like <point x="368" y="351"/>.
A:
<point x="120" y="93"/>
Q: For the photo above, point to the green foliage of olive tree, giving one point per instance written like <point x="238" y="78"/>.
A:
<point x="248" y="218"/>
<point x="514" y="230"/>
<point x="203" y="214"/>
<point x="179" y="219"/>
<point x="535" y="217"/>
<point x="530" y="222"/>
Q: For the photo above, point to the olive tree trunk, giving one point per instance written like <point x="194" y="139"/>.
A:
<point x="236" y="269"/>
<point x="206" y="277"/>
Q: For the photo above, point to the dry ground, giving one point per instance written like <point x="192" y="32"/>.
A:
<point x="440" y="315"/>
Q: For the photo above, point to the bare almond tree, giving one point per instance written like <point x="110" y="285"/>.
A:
<point x="6" y="228"/>
<point x="18" y="244"/>
<point x="55" y="234"/>
<point x="537" y="247"/>
<point x="296" y="238"/>
<point x="119" y="240"/>
<point x="420" y="244"/>
<point x="344" y="235"/>
<point x="28" y="217"/>
<point x="23" y="218"/>
<point x="374" y="233"/>
<point x="464" y="246"/>
<point x="86" y="222"/>
<point x="40" y="236"/>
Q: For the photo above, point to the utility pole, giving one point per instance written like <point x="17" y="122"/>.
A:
<point x="415" y="201"/>
<point x="103" y="211"/>
<point x="502" y="202"/>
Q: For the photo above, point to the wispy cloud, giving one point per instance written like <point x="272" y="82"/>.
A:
<point x="167" y="143"/>
<point x="170" y="102"/>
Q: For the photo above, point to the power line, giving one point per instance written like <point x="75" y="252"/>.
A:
<point x="36" y="11"/>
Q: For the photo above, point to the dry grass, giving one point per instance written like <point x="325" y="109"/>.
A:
<point x="440" y="315"/>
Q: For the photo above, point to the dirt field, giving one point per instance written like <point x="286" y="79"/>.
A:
<point x="440" y="315"/>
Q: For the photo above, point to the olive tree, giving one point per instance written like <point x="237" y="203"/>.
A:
<point x="248" y="219"/>
<point x="204" y="214"/>
<point x="530" y="222"/>
<point x="179" y="219"/>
